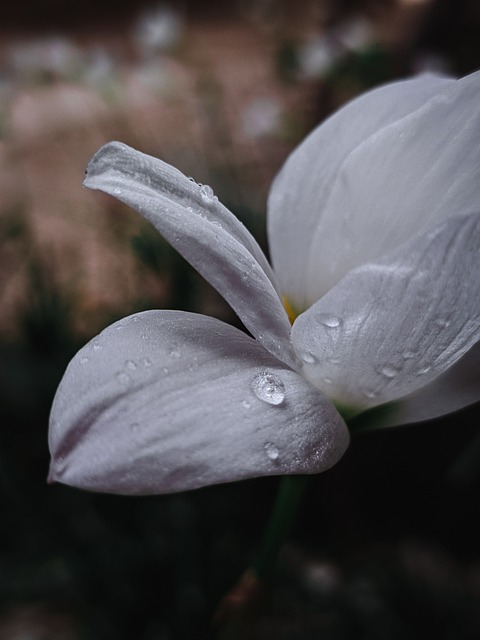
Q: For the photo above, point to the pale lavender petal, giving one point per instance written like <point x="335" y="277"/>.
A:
<point x="387" y="166"/>
<point x="192" y="219"/>
<point x="391" y="327"/>
<point x="166" y="401"/>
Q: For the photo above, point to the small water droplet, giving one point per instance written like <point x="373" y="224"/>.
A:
<point x="327" y="380"/>
<point x="268" y="388"/>
<point x="130" y="364"/>
<point x="147" y="362"/>
<point x="123" y="378"/>
<point x="117" y="192"/>
<point x="271" y="450"/>
<point x="207" y="193"/>
<point x="96" y="345"/>
<point x="389" y="371"/>
<point x="328" y="320"/>
<point x="408" y="355"/>
<point x="308" y="357"/>
<point x="442" y="323"/>
<point x="370" y="393"/>
<point x="84" y="360"/>
<point x="246" y="404"/>
<point x="192" y="179"/>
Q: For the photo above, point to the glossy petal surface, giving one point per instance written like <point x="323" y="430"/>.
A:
<point x="166" y="401"/>
<point x="391" y="327"/>
<point x="204" y="232"/>
<point x="389" y="165"/>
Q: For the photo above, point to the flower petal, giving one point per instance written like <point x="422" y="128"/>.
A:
<point x="165" y="401"/>
<point x="455" y="389"/>
<point x="391" y="327"/>
<point x="204" y="232"/>
<point x="382" y="170"/>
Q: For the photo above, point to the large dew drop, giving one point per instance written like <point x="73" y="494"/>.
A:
<point x="268" y="388"/>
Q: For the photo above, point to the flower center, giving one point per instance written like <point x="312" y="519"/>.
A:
<point x="291" y="313"/>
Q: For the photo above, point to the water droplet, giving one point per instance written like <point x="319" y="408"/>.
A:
<point x="130" y="364"/>
<point x="147" y="362"/>
<point x="96" y="345"/>
<point x="389" y="371"/>
<point x="117" y="192"/>
<point x="246" y="404"/>
<point x="271" y="450"/>
<point x="442" y="323"/>
<point x="268" y="388"/>
<point x="308" y="357"/>
<point x="327" y="380"/>
<point x="123" y="378"/>
<point x="370" y="393"/>
<point x="328" y="320"/>
<point x="84" y="360"/>
<point x="408" y="355"/>
<point x="207" y="193"/>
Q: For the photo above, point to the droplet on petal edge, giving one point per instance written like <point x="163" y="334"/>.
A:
<point x="268" y="388"/>
<point x="207" y="193"/>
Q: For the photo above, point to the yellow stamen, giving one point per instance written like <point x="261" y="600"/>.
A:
<point x="291" y="313"/>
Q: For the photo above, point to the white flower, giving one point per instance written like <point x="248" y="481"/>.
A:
<point x="374" y="232"/>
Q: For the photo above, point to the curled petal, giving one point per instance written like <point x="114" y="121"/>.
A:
<point x="166" y="401"/>
<point x="397" y="170"/>
<point x="204" y="232"/>
<point x="391" y="327"/>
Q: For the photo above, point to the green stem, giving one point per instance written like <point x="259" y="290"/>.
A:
<point x="237" y="612"/>
<point x="279" y="525"/>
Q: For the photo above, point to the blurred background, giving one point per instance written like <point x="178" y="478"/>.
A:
<point x="386" y="545"/>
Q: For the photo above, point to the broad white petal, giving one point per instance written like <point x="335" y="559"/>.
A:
<point x="166" y="401"/>
<point x="203" y="231"/>
<point x="455" y="389"/>
<point x="406" y="168"/>
<point x="391" y="327"/>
